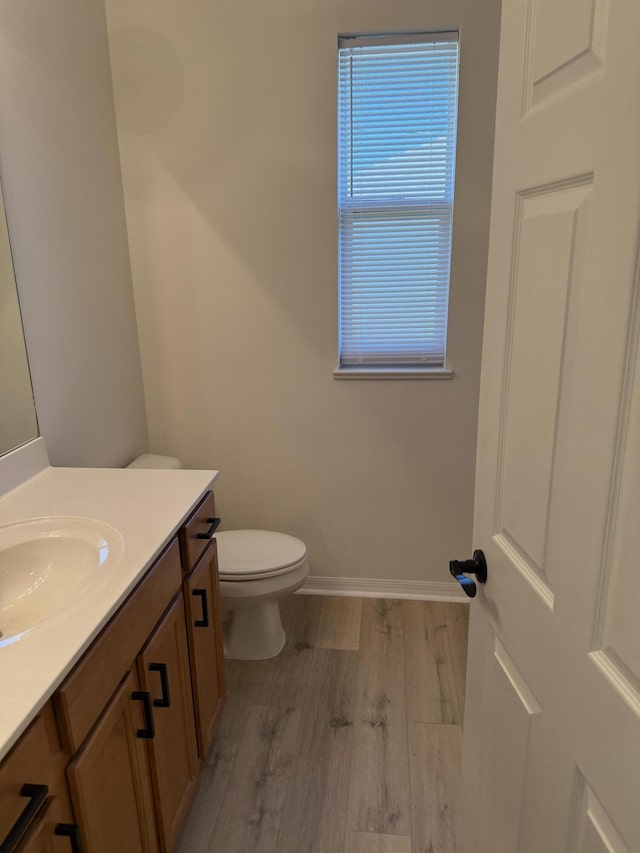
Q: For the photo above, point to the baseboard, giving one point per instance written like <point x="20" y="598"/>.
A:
<point x="375" y="588"/>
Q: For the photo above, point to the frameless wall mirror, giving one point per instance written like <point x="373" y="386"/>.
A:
<point x="18" y="422"/>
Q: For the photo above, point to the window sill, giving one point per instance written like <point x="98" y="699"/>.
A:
<point x="392" y="373"/>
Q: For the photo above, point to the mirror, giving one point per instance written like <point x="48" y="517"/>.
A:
<point x="18" y="422"/>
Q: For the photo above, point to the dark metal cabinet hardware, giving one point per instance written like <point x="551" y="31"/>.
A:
<point x="72" y="832"/>
<point x="215" y="523"/>
<point x="36" y="794"/>
<point x="149" y="731"/>
<point x="165" y="699"/>
<point x="202" y="594"/>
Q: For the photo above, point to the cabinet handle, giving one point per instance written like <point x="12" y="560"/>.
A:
<point x="72" y="832"/>
<point x="36" y="795"/>
<point x="165" y="700"/>
<point x="215" y="523"/>
<point x="149" y="730"/>
<point x="204" y="622"/>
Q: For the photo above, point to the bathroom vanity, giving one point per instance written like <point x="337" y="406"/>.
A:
<point x="109" y="705"/>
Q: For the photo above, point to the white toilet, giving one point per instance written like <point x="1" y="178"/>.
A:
<point x="257" y="568"/>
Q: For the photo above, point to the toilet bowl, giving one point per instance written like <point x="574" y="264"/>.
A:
<point x="257" y="568"/>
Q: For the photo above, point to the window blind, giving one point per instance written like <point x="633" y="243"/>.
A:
<point x="397" y="113"/>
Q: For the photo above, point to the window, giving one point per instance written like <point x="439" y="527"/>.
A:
<point x="397" y="111"/>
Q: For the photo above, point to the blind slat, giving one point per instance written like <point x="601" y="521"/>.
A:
<point x="397" y="115"/>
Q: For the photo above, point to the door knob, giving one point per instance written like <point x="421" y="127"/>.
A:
<point x="476" y="566"/>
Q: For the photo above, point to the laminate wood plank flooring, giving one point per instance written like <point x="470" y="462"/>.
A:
<point x="379" y="787"/>
<point x="457" y="619"/>
<point x="337" y="745"/>
<point x="436" y="752"/>
<point x="431" y="685"/>
<point x="339" y="626"/>
<point x="316" y="811"/>
<point x="369" y="842"/>
<point x="256" y="792"/>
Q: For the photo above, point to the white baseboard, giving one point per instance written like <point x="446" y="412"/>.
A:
<point x="375" y="588"/>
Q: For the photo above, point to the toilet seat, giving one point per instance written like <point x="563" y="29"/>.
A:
<point x="246" y="555"/>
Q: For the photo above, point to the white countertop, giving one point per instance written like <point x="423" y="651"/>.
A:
<point x="146" y="507"/>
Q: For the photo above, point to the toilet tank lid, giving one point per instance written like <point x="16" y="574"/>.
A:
<point x="153" y="460"/>
<point x="244" y="552"/>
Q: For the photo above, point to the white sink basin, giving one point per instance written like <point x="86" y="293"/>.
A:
<point x="46" y="564"/>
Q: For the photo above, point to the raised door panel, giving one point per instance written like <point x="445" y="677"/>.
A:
<point x="205" y="647"/>
<point x="164" y="672"/>
<point x="109" y="780"/>
<point x="616" y="630"/>
<point x="550" y="226"/>
<point x="566" y="47"/>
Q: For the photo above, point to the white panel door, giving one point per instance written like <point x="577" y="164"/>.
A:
<point x="551" y="756"/>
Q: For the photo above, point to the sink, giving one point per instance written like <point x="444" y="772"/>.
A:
<point x="46" y="564"/>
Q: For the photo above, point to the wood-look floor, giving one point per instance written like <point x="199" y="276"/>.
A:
<point x="348" y="742"/>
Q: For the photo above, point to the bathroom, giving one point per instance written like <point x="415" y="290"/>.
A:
<point x="169" y="177"/>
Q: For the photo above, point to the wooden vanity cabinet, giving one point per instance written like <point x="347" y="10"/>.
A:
<point x="164" y="673"/>
<point x="204" y="631"/>
<point x="131" y="720"/>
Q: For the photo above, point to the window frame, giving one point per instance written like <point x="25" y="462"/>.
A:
<point x="386" y="206"/>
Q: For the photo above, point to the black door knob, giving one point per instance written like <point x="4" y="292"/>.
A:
<point x="476" y="566"/>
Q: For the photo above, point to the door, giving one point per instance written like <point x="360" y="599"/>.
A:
<point x="164" y="673"/>
<point x="109" y="777"/>
<point x="202" y="599"/>
<point x="551" y="758"/>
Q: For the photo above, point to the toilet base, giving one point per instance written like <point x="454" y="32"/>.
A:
<point x="254" y="633"/>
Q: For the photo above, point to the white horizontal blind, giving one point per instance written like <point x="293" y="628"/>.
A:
<point x="397" y="112"/>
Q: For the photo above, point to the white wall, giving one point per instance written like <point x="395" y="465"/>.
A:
<point x="60" y="171"/>
<point x="226" y="116"/>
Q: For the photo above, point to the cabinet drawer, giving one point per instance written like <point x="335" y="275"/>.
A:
<point x="197" y="532"/>
<point x="36" y="761"/>
<point x="81" y="698"/>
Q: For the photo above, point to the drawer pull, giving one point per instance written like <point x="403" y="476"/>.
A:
<point x="149" y="731"/>
<point x="204" y="622"/>
<point x="165" y="700"/>
<point x="72" y="832"/>
<point x="36" y="795"/>
<point x="215" y="523"/>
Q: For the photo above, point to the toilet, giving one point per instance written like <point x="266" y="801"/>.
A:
<point x="256" y="569"/>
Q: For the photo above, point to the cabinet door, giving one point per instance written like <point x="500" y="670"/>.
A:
<point x="205" y="646"/>
<point x="33" y="790"/>
<point x="164" y="672"/>
<point x="109" y="778"/>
